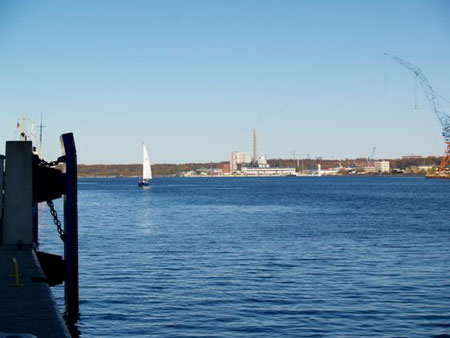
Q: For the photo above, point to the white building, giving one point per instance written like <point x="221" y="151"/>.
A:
<point x="255" y="171"/>
<point x="369" y="169"/>
<point x="238" y="158"/>
<point x="382" y="166"/>
<point x="262" y="162"/>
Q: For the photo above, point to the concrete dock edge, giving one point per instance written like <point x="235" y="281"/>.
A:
<point x="28" y="307"/>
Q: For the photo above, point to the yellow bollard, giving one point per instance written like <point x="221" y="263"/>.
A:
<point x="16" y="273"/>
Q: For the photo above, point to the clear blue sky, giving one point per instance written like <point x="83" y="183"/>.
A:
<point x="193" y="78"/>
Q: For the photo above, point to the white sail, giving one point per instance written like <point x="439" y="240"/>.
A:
<point x="146" y="168"/>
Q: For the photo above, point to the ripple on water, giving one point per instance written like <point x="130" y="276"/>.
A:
<point x="262" y="257"/>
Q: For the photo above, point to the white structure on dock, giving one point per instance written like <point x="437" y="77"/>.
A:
<point x="266" y="171"/>
<point x="382" y="166"/>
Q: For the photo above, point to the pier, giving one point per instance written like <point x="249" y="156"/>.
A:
<point x="441" y="175"/>
<point x="27" y="307"/>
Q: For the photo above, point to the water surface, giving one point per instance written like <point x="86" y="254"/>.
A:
<point x="262" y="257"/>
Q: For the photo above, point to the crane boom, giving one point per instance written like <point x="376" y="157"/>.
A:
<point x="430" y="93"/>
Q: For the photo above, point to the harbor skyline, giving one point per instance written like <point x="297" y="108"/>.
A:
<point x="192" y="79"/>
<point x="252" y="168"/>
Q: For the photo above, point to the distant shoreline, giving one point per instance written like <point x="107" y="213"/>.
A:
<point x="262" y="176"/>
<point x="405" y="166"/>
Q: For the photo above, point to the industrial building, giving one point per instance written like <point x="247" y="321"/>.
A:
<point x="256" y="171"/>
<point x="382" y="166"/>
<point x="240" y="164"/>
<point x="238" y="159"/>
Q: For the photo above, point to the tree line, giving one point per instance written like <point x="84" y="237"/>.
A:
<point x="135" y="170"/>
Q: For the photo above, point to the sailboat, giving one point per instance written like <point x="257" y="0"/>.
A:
<point x="146" y="168"/>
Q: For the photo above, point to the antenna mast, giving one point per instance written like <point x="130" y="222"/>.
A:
<point x="40" y="138"/>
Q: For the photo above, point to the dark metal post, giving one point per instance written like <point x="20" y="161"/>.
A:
<point x="35" y="224"/>
<point x="71" y="227"/>
<point x="2" y="160"/>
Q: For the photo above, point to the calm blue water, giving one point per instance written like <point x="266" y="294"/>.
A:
<point x="262" y="257"/>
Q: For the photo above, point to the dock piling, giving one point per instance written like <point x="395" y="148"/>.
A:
<point x="2" y="161"/>
<point x="71" y="227"/>
<point x="25" y="181"/>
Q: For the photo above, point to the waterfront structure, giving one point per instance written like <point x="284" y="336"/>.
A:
<point x="369" y="169"/>
<point x="238" y="159"/>
<point x="262" y="162"/>
<point x="329" y="172"/>
<point x="27" y="302"/>
<point x="241" y="165"/>
<point x="382" y="166"/>
<point x="266" y="171"/>
<point x="204" y="172"/>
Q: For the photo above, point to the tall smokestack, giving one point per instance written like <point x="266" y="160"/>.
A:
<point x="255" y="152"/>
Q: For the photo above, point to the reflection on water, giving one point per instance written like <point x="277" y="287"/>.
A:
<point x="146" y="219"/>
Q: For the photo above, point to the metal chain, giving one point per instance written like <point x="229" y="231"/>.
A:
<point x="57" y="222"/>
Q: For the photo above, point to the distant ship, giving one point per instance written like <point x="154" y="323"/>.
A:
<point x="146" y="168"/>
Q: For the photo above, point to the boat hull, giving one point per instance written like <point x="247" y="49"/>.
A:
<point x="143" y="183"/>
